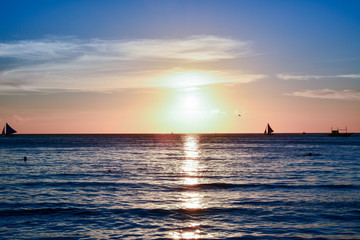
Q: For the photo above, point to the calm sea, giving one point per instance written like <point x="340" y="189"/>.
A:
<point x="173" y="186"/>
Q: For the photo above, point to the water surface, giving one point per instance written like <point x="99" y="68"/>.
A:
<point x="218" y="186"/>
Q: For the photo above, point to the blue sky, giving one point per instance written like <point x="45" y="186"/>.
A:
<point x="288" y="52"/>
<point x="296" y="31"/>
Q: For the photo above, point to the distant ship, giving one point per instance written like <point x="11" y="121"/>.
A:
<point x="268" y="130"/>
<point x="337" y="133"/>
<point x="8" y="131"/>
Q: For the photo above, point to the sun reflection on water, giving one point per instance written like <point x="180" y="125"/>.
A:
<point x="190" y="166"/>
<point x="190" y="234"/>
<point x="191" y="200"/>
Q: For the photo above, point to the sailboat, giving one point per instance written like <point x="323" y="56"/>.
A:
<point x="268" y="130"/>
<point x="8" y="131"/>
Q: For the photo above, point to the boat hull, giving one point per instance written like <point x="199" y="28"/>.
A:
<point x="340" y="134"/>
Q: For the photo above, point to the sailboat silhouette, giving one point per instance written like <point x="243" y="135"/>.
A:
<point x="268" y="130"/>
<point x="8" y="131"/>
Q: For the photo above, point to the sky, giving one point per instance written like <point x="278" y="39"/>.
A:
<point x="182" y="66"/>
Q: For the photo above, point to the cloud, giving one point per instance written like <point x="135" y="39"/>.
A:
<point x="349" y="76"/>
<point x="347" y="94"/>
<point x="39" y="50"/>
<point x="308" y="77"/>
<point x="198" y="48"/>
<point x="19" y="119"/>
<point x="183" y="78"/>
<point x="96" y="65"/>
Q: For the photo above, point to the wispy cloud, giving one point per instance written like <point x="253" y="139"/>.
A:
<point x="347" y="94"/>
<point x="68" y="63"/>
<point x="183" y="78"/>
<point x="39" y="50"/>
<point x="308" y="77"/>
<point x="203" y="48"/>
<point x="198" y="48"/>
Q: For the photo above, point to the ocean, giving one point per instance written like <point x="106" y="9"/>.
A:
<point x="180" y="186"/>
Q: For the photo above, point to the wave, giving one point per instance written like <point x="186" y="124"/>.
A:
<point x="109" y="185"/>
<point x="128" y="212"/>
<point x="47" y="211"/>
<point x="300" y="204"/>
<point x="74" y="184"/>
<point x="265" y="212"/>
<point x="269" y="186"/>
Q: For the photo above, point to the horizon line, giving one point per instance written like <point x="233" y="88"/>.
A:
<point x="177" y="133"/>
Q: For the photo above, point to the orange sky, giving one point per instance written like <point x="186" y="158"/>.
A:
<point x="201" y="109"/>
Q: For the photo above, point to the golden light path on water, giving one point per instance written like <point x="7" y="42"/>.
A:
<point x="191" y="200"/>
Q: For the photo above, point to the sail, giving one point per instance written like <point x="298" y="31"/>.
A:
<point x="9" y="130"/>
<point x="270" y="129"/>
<point x="3" y="132"/>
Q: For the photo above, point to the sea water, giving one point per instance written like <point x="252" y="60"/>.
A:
<point x="180" y="186"/>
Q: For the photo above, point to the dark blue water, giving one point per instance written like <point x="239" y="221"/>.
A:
<point x="180" y="187"/>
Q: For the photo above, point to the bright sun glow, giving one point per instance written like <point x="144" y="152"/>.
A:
<point x="191" y="102"/>
<point x="193" y="107"/>
<point x="189" y="110"/>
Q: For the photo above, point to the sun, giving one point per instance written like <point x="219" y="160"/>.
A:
<point x="192" y="104"/>
<point x="189" y="110"/>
